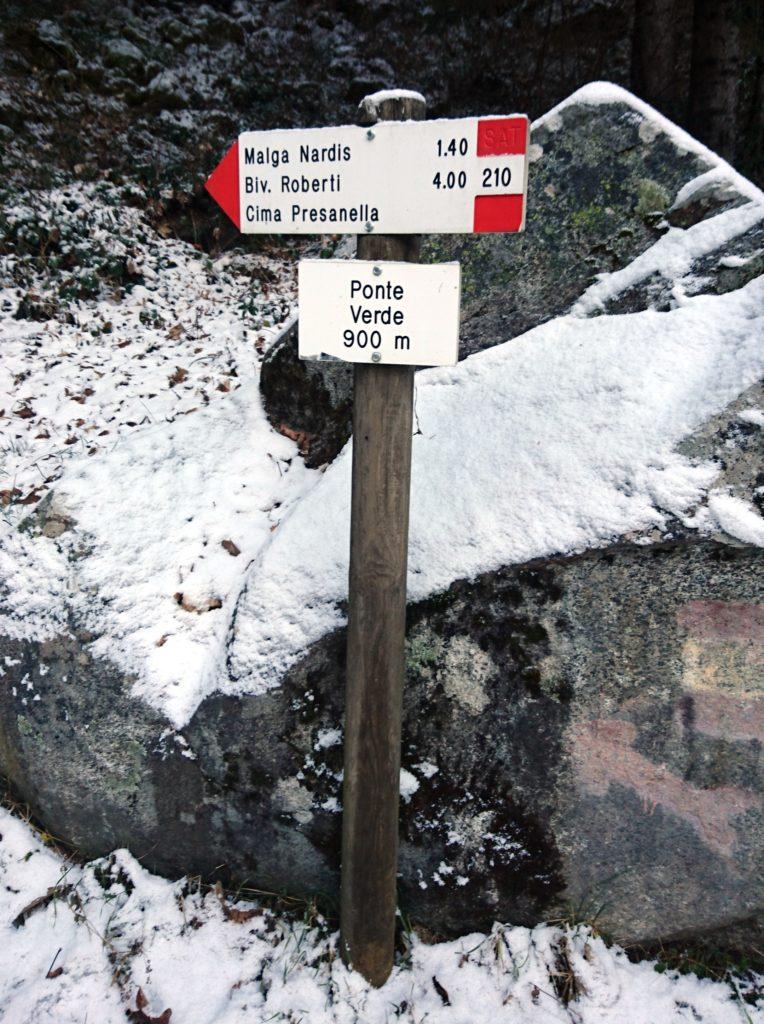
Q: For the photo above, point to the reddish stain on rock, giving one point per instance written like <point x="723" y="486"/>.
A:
<point x="723" y="620"/>
<point x="603" y="754"/>
<point x="723" y="717"/>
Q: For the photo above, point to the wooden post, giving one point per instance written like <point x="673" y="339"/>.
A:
<point x="382" y="423"/>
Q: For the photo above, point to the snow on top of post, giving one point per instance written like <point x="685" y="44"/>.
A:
<point x="370" y="104"/>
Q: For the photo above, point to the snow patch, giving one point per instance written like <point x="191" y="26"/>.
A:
<point x="408" y="786"/>
<point x="212" y="960"/>
<point x="565" y="439"/>
<point x="737" y="518"/>
<point x="672" y="256"/>
<point x="754" y="416"/>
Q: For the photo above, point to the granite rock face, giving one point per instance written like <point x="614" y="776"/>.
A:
<point x="314" y="399"/>
<point x="585" y="736"/>
<point x="582" y="734"/>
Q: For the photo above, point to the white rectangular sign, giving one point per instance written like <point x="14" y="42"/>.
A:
<point x="398" y="177"/>
<point x="363" y="311"/>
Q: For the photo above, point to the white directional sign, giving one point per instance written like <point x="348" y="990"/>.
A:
<point x="397" y="177"/>
<point x="366" y="312"/>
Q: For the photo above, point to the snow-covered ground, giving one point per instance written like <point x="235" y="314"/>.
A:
<point x="568" y="436"/>
<point x="140" y="406"/>
<point x="108" y="941"/>
<point x="166" y="334"/>
<point x="141" y="330"/>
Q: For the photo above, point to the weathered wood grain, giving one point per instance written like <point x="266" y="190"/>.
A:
<point x="382" y="424"/>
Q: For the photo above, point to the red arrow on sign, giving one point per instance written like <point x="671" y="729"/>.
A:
<point x="223" y="184"/>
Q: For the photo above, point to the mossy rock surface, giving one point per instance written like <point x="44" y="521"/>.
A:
<point x="582" y="733"/>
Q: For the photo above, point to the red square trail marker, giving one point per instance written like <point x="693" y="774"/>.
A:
<point x="455" y="176"/>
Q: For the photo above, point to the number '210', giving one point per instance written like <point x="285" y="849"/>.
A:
<point x="496" y="177"/>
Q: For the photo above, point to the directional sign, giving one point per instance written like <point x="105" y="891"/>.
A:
<point x="397" y="177"/>
<point x="366" y="312"/>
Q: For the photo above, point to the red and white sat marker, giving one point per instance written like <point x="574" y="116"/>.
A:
<point x="397" y="177"/>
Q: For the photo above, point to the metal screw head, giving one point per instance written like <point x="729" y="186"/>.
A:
<point x="368" y="226"/>
<point x="377" y="271"/>
<point x="369" y="134"/>
<point x="375" y="357"/>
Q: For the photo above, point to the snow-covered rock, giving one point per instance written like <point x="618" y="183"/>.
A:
<point x="584" y="645"/>
<point x="611" y="189"/>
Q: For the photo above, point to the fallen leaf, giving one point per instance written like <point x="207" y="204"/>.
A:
<point x="441" y="991"/>
<point x="230" y="547"/>
<point x="175" y="332"/>
<point x="179" y="376"/>
<point x="25" y="413"/>
<point x="55" y="892"/>
<point x="231" y="913"/>
<point x="139" y="1015"/>
<point x="300" y="437"/>
<point x="7" y="495"/>
<point x="34" y="496"/>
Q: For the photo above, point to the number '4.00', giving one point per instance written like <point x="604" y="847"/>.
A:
<point x="450" y="180"/>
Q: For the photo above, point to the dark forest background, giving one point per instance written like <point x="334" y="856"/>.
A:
<point x="158" y="89"/>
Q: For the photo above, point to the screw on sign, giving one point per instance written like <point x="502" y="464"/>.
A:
<point x="389" y="179"/>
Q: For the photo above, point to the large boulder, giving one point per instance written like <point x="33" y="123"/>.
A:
<point x="583" y="704"/>
<point x="606" y="183"/>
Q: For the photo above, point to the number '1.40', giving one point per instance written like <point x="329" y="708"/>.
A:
<point x="452" y="147"/>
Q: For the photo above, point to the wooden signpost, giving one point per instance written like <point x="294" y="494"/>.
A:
<point x="390" y="179"/>
<point x="379" y="535"/>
